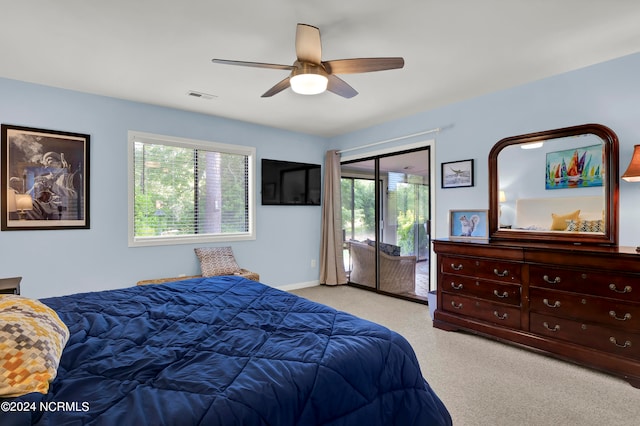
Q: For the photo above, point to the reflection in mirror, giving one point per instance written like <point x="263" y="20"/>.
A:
<point x="562" y="174"/>
<point x="558" y="185"/>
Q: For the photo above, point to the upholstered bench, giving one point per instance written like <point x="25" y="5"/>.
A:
<point x="214" y="261"/>
<point x="243" y="273"/>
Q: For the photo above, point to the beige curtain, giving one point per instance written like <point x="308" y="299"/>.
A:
<point x="331" y="259"/>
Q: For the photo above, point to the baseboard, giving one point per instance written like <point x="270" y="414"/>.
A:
<point x="297" y="286"/>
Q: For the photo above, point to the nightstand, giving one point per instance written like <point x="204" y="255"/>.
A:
<point x="10" y="285"/>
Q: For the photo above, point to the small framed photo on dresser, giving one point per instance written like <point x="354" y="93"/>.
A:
<point x="468" y="224"/>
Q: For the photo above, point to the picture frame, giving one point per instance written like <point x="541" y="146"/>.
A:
<point x="45" y="179"/>
<point x="575" y="168"/>
<point x="457" y="174"/>
<point x="468" y="224"/>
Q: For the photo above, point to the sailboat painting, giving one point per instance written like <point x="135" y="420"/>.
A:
<point x="575" y="168"/>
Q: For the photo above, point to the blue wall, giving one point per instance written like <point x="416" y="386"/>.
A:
<point x="607" y="93"/>
<point x="66" y="261"/>
<point x="61" y="262"/>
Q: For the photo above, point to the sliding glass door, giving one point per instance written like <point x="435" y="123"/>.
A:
<point x="386" y="222"/>
<point x="359" y="223"/>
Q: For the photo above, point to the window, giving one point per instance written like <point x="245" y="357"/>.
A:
<point x="188" y="191"/>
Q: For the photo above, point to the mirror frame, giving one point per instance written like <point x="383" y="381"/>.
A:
<point x="611" y="195"/>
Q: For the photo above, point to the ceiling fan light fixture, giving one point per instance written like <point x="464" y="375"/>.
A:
<point x="309" y="84"/>
<point x="309" y="80"/>
<point x="532" y="145"/>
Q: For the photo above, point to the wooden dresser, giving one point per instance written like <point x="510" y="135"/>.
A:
<point x="577" y="303"/>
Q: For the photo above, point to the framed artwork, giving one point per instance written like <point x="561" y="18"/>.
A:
<point x="575" y="168"/>
<point x="468" y="224"/>
<point x="457" y="174"/>
<point x="45" y="179"/>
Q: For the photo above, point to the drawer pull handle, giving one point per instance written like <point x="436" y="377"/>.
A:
<point x="556" y="280"/>
<point x="626" y="344"/>
<point x="456" y="287"/>
<point x="457" y="268"/>
<point x="626" y="316"/>
<point x="456" y="306"/>
<point x="504" y="273"/>
<point x="626" y="289"/>
<point x="554" y="329"/>
<point x="556" y="304"/>
<point x="501" y="317"/>
<point x="501" y="296"/>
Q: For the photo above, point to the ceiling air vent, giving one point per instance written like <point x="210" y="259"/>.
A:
<point x="200" y="95"/>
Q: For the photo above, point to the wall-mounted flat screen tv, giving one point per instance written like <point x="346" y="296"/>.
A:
<point x="287" y="183"/>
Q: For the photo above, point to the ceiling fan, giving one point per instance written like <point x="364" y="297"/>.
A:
<point x="310" y="75"/>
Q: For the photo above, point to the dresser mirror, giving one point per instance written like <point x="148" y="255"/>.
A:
<point x="555" y="186"/>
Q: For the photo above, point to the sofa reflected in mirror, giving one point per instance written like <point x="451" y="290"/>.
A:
<point x="397" y="273"/>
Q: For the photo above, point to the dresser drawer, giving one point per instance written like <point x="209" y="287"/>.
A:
<point x="588" y="308"/>
<point x="619" y="342"/>
<point x="618" y="286"/>
<point x="505" y="315"/>
<point x="482" y="268"/>
<point x="490" y="290"/>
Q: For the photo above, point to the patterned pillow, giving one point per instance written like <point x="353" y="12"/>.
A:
<point x="585" y="225"/>
<point x="32" y="338"/>
<point x="390" y="249"/>
<point x="217" y="261"/>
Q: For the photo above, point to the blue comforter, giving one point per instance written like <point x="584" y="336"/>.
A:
<point x="227" y="351"/>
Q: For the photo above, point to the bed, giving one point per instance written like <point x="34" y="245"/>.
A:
<point x="563" y="214"/>
<point x="225" y="351"/>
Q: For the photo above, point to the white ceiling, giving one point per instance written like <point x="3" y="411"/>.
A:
<point x="156" y="51"/>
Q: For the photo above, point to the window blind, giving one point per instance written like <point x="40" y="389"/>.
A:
<point x="186" y="190"/>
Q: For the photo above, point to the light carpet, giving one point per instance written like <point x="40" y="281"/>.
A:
<point x="483" y="382"/>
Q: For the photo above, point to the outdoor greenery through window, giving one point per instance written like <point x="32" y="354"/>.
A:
<point x="358" y="208"/>
<point x="187" y="191"/>
<point x="407" y="202"/>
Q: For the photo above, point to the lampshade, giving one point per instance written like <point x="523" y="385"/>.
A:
<point x="502" y="197"/>
<point x="309" y="80"/>
<point x="11" y="200"/>
<point x="24" y="202"/>
<point x="633" y="171"/>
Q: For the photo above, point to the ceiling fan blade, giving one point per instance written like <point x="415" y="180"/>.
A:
<point x="340" y="87"/>
<point x="253" y="64"/>
<point x="308" y="44"/>
<point x="277" y="88"/>
<point x="354" y="66"/>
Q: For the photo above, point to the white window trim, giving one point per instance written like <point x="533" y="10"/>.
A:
<point x="195" y="144"/>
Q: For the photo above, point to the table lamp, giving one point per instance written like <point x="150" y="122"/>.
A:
<point x="633" y="171"/>
<point x="23" y="202"/>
